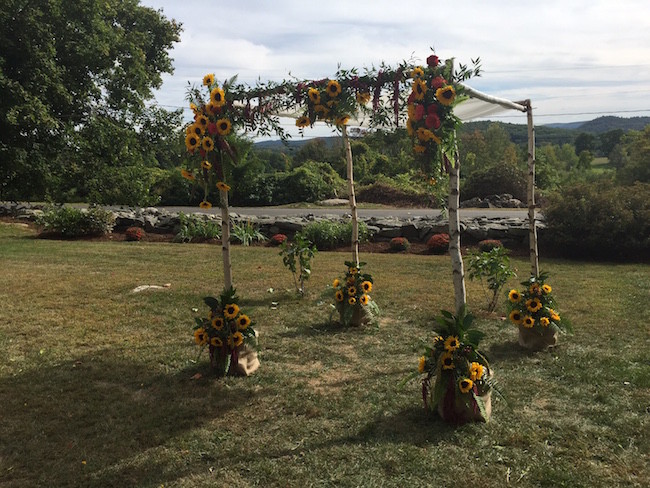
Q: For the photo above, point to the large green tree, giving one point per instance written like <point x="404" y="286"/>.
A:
<point x="66" y="67"/>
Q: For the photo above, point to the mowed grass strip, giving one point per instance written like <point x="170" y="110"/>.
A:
<point x="97" y="388"/>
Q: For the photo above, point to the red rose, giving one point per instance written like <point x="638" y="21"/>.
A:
<point x="212" y="128"/>
<point x="419" y="112"/>
<point x="432" y="121"/>
<point x="433" y="60"/>
<point x="432" y="109"/>
<point x="438" y="82"/>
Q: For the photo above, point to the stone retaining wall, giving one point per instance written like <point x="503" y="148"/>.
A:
<point x="511" y="231"/>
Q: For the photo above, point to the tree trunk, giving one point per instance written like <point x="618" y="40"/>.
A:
<point x="353" y="199"/>
<point x="458" y="272"/>
<point x="532" y="224"/>
<point x="225" y="239"/>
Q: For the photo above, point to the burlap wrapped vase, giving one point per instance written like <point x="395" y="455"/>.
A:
<point x="536" y="339"/>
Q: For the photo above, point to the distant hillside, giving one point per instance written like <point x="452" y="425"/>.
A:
<point x="519" y="132"/>
<point x="605" y="124"/>
<point x="295" y="144"/>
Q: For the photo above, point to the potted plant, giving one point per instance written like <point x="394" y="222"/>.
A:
<point x="229" y="335"/>
<point x="533" y="311"/>
<point x="352" y="296"/>
<point x="458" y="381"/>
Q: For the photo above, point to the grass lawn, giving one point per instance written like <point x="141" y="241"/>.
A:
<point x="97" y="388"/>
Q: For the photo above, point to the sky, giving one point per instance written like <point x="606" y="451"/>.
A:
<point x="574" y="59"/>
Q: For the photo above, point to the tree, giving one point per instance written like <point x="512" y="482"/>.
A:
<point x="609" y="140"/>
<point x="63" y="65"/>
<point x="585" y="142"/>
<point x="636" y="166"/>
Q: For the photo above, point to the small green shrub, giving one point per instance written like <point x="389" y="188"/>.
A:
<point x="326" y="234"/>
<point x="599" y="221"/>
<point x="493" y="269"/>
<point x="246" y="233"/>
<point x="74" y="222"/>
<point x="303" y="251"/>
<point x="495" y="180"/>
<point x="193" y="227"/>
<point x="399" y="244"/>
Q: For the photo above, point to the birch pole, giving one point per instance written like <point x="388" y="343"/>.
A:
<point x="225" y="239"/>
<point x="352" y="197"/>
<point x="457" y="269"/>
<point x="532" y="223"/>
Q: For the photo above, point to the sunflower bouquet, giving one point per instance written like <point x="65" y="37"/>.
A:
<point x="352" y="295"/>
<point x="225" y="331"/>
<point x="533" y="310"/>
<point x="458" y="380"/>
<point x="331" y="101"/>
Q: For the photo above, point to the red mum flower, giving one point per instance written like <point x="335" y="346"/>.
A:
<point x="438" y="82"/>
<point x="432" y="109"/>
<point x="212" y="128"/>
<point x="419" y="112"/>
<point x="433" y="60"/>
<point x="432" y="121"/>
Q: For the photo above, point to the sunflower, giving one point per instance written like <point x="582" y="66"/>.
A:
<point x="533" y="304"/>
<point x="223" y="127"/>
<point x="236" y="340"/>
<point x="195" y="129"/>
<point x="212" y="108"/>
<point x="187" y="175"/>
<point x="221" y="186"/>
<point x="544" y="321"/>
<point x="514" y="296"/>
<point x="342" y="120"/>
<point x="534" y="289"/>
<point x="207" y="144"/>
<point x="192" y="141"/>
<point x="447" y="360"/>
<point x="333" y="88"/>
<point x="200" y="337"/>
<point x="424" y="135"/>
<point x="194" y="108"/>
<point x="554" y="315"/>
<point x="243" y="322"/>
<point x="314" y="96"/>
<point x="547" y="289"/>
<point x="421" y="364"/>
<point x="364" y="299"/>
<point x="363" y="98"/>
<point x="475" y="371"/>
<point x="205" y="204"/>
<point x="321" y="110"/>
<point x="367" y="286"/>
<point x="417" y="72"/>
<point x="418" y="148"/>
<point x="529" y="322"/>
<point x="435" y="138"/>
<point x="208" y="79"/>
<point x="230" y="311"/>
<point x="218" y="97"/>
<point x="339" y="296"/>
<point x="452" y="343"/>
<point x="465" y="385"/>
<point x="353" y="270"/>
<point x="216" y="342"/>
<point x="336" y="283"/>
<point x="206" y="164"/>
<point x="515" y="317"/>
<point x="352" y="291"/>
<point x="217" y="323"/>
<point x="419" y="88"/>
<point x="202" y="121"/>
<point x="350" y="281"/>
<point x="352" y="301"/>
<point x="302" y="121"/>
<point x="409" y="127"/>
<point x="446" y="95"/>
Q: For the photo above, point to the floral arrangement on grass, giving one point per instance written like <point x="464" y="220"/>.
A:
<point x="533" y="309"/>
<point x="277" y="239"/>
<point x="487" y="245"/>
<point x="458" y="379"/>
<point x="352" y="295"/>
<point x="438" y="243"/>
<point x="224" y="331"/>
<point x="399" y="244"/>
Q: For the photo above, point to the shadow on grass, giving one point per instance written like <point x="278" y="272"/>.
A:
<point x="104" y="421"/>
<point x="329" y="327"/>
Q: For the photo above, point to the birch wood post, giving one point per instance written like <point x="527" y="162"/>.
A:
<point x="457" y="269"/>
<point x="225" y="239"/>
<point x="532" y="223"/>
<point x="353" y="199"/>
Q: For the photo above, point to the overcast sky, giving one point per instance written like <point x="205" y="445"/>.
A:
<point x="575" y="59"/>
